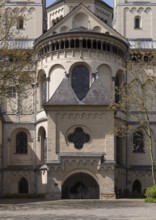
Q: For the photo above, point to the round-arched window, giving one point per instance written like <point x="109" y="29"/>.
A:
<point x="80" y="81"/>
<point x="21" y="143"/>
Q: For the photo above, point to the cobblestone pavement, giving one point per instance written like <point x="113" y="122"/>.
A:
<point x="77" y="210"/>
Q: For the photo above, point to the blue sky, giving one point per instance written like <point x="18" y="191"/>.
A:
<point x="110" y="2"/>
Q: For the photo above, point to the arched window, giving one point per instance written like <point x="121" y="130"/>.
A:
<point x="138" y="142"/>
<point x="23" y="186"/>
<point x="72" y="43"/>
<point x="66" y="44"/>
<point x="94" y="44"/>
<point x="84" y="44"/>
<point x="43" y="90"/>
<point x="80" y="81"/>
<point x="77" y="43"/>
<point x="89" y="44"/>
<point x="136" y="188"/>
<point x="62" y="44"/>
<point x="57" y="45"/>
<point x="137" y="22"/>
<point x="118" y="141"/>
<point x="21" y="143"/>
<point x="117" y="89"/>
<point x="20" y="23"/>
<point x="43" y="143"/>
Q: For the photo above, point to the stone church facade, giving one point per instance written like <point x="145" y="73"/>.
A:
<point x="63" y="144"/>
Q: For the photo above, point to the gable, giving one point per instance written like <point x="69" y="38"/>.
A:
<point x="64" y="95"/>
<point x="81" y="17"/>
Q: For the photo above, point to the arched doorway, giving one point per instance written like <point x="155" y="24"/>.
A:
<point x="80" y="186"/>
<point x="136" y="188"/>
<point x="23" y="186"/>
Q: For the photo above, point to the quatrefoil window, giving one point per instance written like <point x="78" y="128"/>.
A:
<point x="79" y="138"/>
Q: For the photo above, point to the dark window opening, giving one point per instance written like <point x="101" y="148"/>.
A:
<point x="118" y="149"/>
<point x="44" y="91"/>
<point x="104" y="46"/>
<point x="114" y="49"/>
<point x="108" y="47"/>
<point x="89" y="44"/>
<point x="80" y="81"/>
<point x="21" y="143"/>
<point x="77" y="43"/>
<point x="94" y="45"/>
<point x="138" y="142"/>
<point x="66" y="44"/>
<point x="72" y="44"/>
<point x="53" y="46"/>
<point x="117" y="89"/>
<point x="99" y="45"/>
<point x="84" y="44"/>
<point x="62" y="44"/>
<point x="20" y="23"/>
<point x="79" y="138"/>
<point x="137" y="23"/>
<point x="57" y="45"/>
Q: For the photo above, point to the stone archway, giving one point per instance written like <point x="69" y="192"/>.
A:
<point x="80" y="186"/>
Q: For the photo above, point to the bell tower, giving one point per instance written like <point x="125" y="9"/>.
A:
<point x="30" y="17"/>
<point x="136" y="20"/>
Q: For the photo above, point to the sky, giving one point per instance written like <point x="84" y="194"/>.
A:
<point x="109" y="2"/>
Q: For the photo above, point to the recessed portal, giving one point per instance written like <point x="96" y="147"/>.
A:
<point x="80" y="186"/>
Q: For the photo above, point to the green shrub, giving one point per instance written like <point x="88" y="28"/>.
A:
<point x="151" y="192"/>
<point x="150" y="200"/>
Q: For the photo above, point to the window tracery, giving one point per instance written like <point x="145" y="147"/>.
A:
<point x="78" y="138"/>
<point x="138" y="142"/>
<point x="80" y="81"/>
<point x="21" y="143"/>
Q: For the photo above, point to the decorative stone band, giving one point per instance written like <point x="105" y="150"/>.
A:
<point x="142" y="44"/>
<point x="18" y="44"/>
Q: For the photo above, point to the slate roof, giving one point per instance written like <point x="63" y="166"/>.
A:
<point x="97" y="94"/>
<point x="64" y="95"/>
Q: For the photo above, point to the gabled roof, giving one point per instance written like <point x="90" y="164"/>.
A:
<point x="64" y="95"/>
<point x="107" y="28"/>
<point x="97" y="94"/>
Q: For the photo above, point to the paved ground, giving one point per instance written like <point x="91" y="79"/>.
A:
<point x="77" y="210"/>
